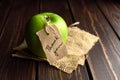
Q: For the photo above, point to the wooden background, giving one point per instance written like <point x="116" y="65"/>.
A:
<point x="99" y="17"/>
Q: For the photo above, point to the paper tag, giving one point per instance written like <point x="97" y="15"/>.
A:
<point x="52" y="43"/>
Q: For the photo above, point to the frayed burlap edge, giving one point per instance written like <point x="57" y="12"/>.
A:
<point x="78" y="45"/>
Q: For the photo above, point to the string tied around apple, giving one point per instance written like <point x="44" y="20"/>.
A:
<point x="50" y="28"/>
<point x="75" y="24"/>
<point x="47" y="18"/>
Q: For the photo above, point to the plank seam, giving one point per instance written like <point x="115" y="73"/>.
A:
<point x="5" y="20"/>
<point x="107" y="19"/>
<point x="71" y="13"/>
<point x="103" y="48"/>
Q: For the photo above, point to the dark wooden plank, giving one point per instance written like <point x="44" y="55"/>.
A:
<point x="5" y="7"/>
<point x="104" y="57"/>
<point x="60" y="7"/>
<point x="12" y="34"/>
<point x="81" y="73"/>
<point x="111" y="10"/>
<point x="47" y="72"/>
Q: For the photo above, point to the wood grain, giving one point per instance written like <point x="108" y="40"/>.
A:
<point x="5" y="7"/>
<point x="111" y="11"/>
<point x="99" y="17"/>
<point x="104" y="56"/>
<point x="59" y="7"/>
<point x="11" y="35"/>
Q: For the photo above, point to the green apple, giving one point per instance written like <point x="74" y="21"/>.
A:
<point x="36" y="23"/>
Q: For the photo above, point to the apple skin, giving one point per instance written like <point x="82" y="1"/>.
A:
<point x="36" y="23"/>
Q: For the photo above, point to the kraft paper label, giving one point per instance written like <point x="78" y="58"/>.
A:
<point x="52" y="43"/>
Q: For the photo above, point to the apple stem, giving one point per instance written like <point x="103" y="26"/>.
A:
<point x="47" y="18"/>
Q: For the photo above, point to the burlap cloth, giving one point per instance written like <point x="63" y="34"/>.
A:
<point x="78" y="44"/>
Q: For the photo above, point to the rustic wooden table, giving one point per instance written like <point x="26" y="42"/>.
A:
<point x="99" y="17"/>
